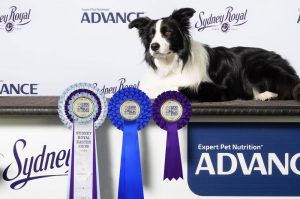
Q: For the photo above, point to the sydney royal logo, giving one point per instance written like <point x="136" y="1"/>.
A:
<point x="229" y="20"/>
<point x="14" y="19"/>
<point x="24" y="169"/>
<point x="105" y="16"/>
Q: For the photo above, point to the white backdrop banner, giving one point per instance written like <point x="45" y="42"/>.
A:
<point x="48" y="45"/>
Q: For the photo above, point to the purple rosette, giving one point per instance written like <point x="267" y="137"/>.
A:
<point x="171" y="111"/>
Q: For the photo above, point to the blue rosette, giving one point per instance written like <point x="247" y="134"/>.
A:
<point x="130" y="110"/>
<point x="83" y="108"/>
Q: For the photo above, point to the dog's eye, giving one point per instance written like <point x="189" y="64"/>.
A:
<point x="167" y="33"/>
<point x="151" y="35"/>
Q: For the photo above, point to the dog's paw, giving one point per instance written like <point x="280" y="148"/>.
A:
<point x="265" y="96"/>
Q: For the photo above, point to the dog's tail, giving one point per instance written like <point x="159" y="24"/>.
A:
<point x="296" y="92"/>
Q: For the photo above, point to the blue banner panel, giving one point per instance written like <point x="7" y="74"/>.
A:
<point x="244" y="159"/>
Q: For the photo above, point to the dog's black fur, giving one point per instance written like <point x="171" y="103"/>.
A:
<point x="234" y="72"/>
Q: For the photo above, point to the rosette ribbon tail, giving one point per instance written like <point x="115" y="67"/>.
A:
<point x="83" y="176"/>
<point x="96" y="181"/>
<point x="130" y="183"/>
<point x="71" y="171"/>
<point x="173" y="166"/>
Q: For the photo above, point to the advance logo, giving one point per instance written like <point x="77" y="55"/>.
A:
<point x="244" y="159"/>
<point x="18" y="89"/>
<point x="100" y="15"/>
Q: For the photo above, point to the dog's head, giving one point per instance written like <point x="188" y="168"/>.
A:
<point x="165" y="36"/>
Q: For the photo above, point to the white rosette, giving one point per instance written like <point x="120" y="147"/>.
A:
<point x="63" y="98"/>
<point x="83" y="108"/>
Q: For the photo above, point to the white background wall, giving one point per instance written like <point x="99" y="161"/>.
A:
<point x="55" y="49"/>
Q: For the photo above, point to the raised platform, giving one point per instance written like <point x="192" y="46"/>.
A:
<point x="44" y="105"/>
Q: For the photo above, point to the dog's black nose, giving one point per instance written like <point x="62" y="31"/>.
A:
<point x="155" y="46"/>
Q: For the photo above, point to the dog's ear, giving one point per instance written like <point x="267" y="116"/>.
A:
<point x="183" y="15"/>
<point x="139" y="23"/>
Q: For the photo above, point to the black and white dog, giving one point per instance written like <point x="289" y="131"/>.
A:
<point x="209" y="74"/>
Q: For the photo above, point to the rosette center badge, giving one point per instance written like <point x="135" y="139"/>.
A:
<point x="130" y="110"/>
<point x="171" y="110"/>
<point x="83" y="107"/>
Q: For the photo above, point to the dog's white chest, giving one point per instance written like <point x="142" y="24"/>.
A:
<point x="171" y="75"/>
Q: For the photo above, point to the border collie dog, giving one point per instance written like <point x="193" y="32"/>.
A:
<point x="209" y="74"/>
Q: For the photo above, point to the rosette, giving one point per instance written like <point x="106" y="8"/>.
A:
<point x="130" y="110"/>
<point x="172" y="111"/>
<point x="83" y="108"/>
